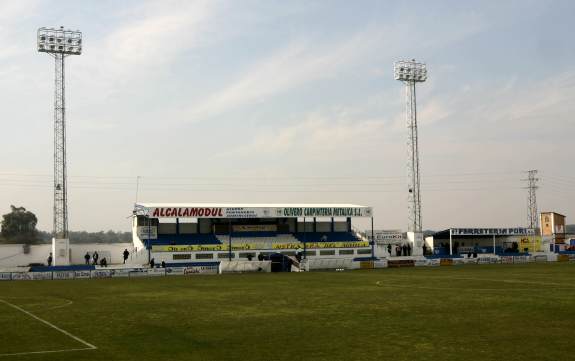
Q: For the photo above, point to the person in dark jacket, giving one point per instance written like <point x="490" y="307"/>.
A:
<point x="49" y="260"/>
<point x="126" y="254"/>
<point x="95" y="257"/>
<point x="87" y="257"/>
<point x="152" y="263"/>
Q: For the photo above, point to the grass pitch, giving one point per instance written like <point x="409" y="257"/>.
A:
<point x="490" y="312"/>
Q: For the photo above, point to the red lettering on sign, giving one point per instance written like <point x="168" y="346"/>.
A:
<point x="156" y="212"/>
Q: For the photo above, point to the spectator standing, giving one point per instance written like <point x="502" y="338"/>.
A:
<point x="87" y="257"/>
<point x="95" y="257"/>
<point x="126" y="255"/>
<point x="398" y="250"/>
<point x="389" y="249"/>
<point x="408" y="247"/>
<point x="50" y="260"/>
<point x="152" y="263"/>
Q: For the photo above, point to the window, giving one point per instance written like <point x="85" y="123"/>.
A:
<point x="309" y="253"/>
<point x="327" y="252"/>
<point x="204" y="255"/>
<point x="180" y="256"/>
<point x="345" y="251"/>
<point x="364" y="251"/>
<point x="226" y="255"/>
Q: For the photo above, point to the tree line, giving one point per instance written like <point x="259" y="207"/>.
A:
<point x="19" y="226"/>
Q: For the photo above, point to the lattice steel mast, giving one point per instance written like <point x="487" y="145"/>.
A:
<point x="60" y="43"/>
<point x="532" y="216"/>
<point x="410" y="72"/>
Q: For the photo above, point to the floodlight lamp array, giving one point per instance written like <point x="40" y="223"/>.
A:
<point x="410" y="71"/>
<point x="59" y="41"/>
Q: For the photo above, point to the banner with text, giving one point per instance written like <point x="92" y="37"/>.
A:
<point x="254" y="246"/>
<point x="253" y="212"/>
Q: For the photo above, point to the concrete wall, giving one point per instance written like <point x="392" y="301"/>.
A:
<point x="12" y="255"/>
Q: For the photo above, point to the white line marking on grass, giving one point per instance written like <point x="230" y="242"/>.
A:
<point x="41" y="352"/>
<point x="89" y="345"/>
<point x="68" y="303"/>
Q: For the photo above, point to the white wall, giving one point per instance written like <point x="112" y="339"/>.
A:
<point x="12" y="255"/>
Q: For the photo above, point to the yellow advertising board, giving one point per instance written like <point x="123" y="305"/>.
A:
<point x="253" y="246"/>
<point x="531" y="243"/>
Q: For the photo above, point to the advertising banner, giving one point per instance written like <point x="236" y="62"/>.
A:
<point x="5" y="276"/>
<point x="446" y="262"/>
<point x="506" y="259"/>
<point x="175" y="271"/>
<point x="563" y="258"/>
<point x="41" y="275"/>
<point x="147" y="232"/>
<point x="157" y="272"/>
<point x="143" y="272"/>
<point x="492" y="231"/>
<point x="386" y="237"/>
<point x="63" y="275"/>
<point x="82" y="274"/>
<point x="119" y="273"/>
<point x="208" y="269"/>
<point x="253" y="246"/>
<point x="520" y="259"/>
<point x="252" y="212"/>
<point x="20" y="276"/>
<point x="101" y="274"/>
<point x="366" y="265"/>
<point x="381" y="263"/>
<point x="421" y="262"/>
<point x="530" y="244"/>
<point x="400" y="263"/>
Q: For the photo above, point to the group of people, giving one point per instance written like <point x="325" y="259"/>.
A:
<point x="103" y="262"/>
<point x="153" y="263"/>
<point x="400" y="249"/>
<point x="95" y="258"/>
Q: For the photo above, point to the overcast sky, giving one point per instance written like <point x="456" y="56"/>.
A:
<point x="292" y="101"/>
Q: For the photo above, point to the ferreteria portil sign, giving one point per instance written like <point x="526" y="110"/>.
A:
<point x="492" y="231"/>
<point x="254" y="212"/>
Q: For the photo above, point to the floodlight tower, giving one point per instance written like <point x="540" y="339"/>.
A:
<point x="410" y="73"/>
<point x="532" y="216"/>
<point x="59" y="44"/>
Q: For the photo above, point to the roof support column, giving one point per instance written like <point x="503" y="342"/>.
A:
<point x="450" y="243"/>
